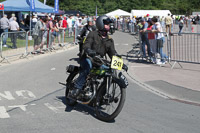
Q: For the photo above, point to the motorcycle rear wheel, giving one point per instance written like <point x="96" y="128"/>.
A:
<point x="71" y="79"/>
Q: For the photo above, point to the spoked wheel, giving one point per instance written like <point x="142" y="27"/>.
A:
<point x="109" y="105"/>
<point x="70" y="81"/>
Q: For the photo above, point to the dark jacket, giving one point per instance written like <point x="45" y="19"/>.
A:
<point x="101" y="46"/>
<point x="86" y="29"/>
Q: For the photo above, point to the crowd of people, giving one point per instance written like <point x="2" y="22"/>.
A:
<point x="43" y="28"/>
<point x="46" y="27"/>
<point x="152" y="29"/>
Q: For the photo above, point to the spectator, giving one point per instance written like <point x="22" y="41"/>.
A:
<point x="64" y="23"/>
<point x="173" y="20"/>
<point x="14" y="27"/>
<point x="181" y="23"/>
<point x="168" y="23"/>
<point x="27" y="21"/>
<point x="12" y="18"/>
<point x="144" y="37"/>
<point x="55" y="31"/>
<point x="162" y="20"/>
<point x="69" y="22"/>
<point x="152" y="40"/>
<point x="160" y="40"/>
<point x="38" y="34"/>
<point x="44" y="37"/>
<point x="84" y="33"/>
<point x="78" y="26"/>
<point x="50" y="27"/>
<point x="34" y="20"/>
<point x="134" y="24"/>
<point x="4" y="26"/>
<point x="60" y="29"/>
<point x="197" y="19"/>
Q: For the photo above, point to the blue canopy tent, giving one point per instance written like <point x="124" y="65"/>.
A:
<point x="24" y="5"/>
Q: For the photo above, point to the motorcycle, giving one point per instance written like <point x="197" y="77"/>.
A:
<point x="104" y="90"/>
<point x="112" y="28"/>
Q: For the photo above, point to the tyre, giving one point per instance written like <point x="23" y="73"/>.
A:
<point x="105" y="108"/>
<point x="70" y="81"/>
<point x="111" y="31"/>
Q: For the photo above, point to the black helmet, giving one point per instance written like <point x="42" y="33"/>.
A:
<point x="101" y="21"/>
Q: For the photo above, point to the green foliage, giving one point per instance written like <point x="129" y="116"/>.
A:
<point x="104" y="6"/>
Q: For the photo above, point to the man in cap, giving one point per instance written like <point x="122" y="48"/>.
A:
<point x="144" y="37"/>
<point x="14" y="27"/>
<point x="4" y="25"/>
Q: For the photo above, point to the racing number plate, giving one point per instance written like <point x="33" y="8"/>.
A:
<point x="117" y="63"/>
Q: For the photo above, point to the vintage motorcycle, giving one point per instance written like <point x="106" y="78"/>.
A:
<point x="104" y="90"/>
<point x="112" y="28"/>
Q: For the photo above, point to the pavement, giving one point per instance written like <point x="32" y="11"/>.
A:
<point x="180" y="82"/>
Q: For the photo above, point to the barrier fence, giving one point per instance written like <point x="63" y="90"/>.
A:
<point x="132" y="27"/>
<point x="184" y="47"/>
<point x="25" y="41"/>
<point x="14" y="40"/>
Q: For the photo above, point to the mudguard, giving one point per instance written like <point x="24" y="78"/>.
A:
<point x="72" y="68"/>
<point x="121" y="79"/>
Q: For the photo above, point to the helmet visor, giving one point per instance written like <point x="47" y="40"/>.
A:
<point x="107" y="21"/>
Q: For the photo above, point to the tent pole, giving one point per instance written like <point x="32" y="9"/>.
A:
<point x="30" y="22"/>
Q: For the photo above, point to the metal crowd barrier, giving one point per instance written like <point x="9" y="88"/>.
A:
<point x="15" y="41"/>
<point x="185" y="48"/>
<point x="25" y="42"/>
<point x="126" y="27"/>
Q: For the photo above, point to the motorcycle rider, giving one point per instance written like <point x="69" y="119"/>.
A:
<point x="97" y="43"/>
<point x="84" y="32"/>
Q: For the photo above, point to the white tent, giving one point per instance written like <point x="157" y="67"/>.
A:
<point x="118" y="13"/>
<point x="142" y="13"/>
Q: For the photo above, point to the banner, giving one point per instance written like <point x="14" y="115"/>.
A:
<point x="56" y="4"/>
<point x="32" y="5"/>
<point x="96" y="11"/>
<point x="1" y="6"/>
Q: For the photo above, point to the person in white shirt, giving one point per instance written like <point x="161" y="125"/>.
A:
<point x="160" y="40"/>
<point x="78" y="26"/>
<point x="34" y="20"/>
<point x="12" y="18"/>
<point x="14" y="27"/>
<point x="69" y="22"/>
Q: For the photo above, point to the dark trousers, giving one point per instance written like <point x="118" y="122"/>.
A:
<point x="14" y="38"/>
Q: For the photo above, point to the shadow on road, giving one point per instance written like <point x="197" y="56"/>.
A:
<point x="85" y="109"/>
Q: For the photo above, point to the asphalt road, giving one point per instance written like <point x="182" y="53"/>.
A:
<point x="32" y="101"/>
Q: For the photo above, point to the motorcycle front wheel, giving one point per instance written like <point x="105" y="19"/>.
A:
<point x="109" y="104"/>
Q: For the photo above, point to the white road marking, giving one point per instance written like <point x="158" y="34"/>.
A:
<point x="7" y="95"/>
<point x="29" y="93"/>
<point x="53" y="69"/>
<point x="125" y="44"/>
<point x="22" y="107"/>
<point x="141" y="66"/>
<point x="116" y="44"/>
<point x="51" y="107"/>
<point x="3" y="113"/>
